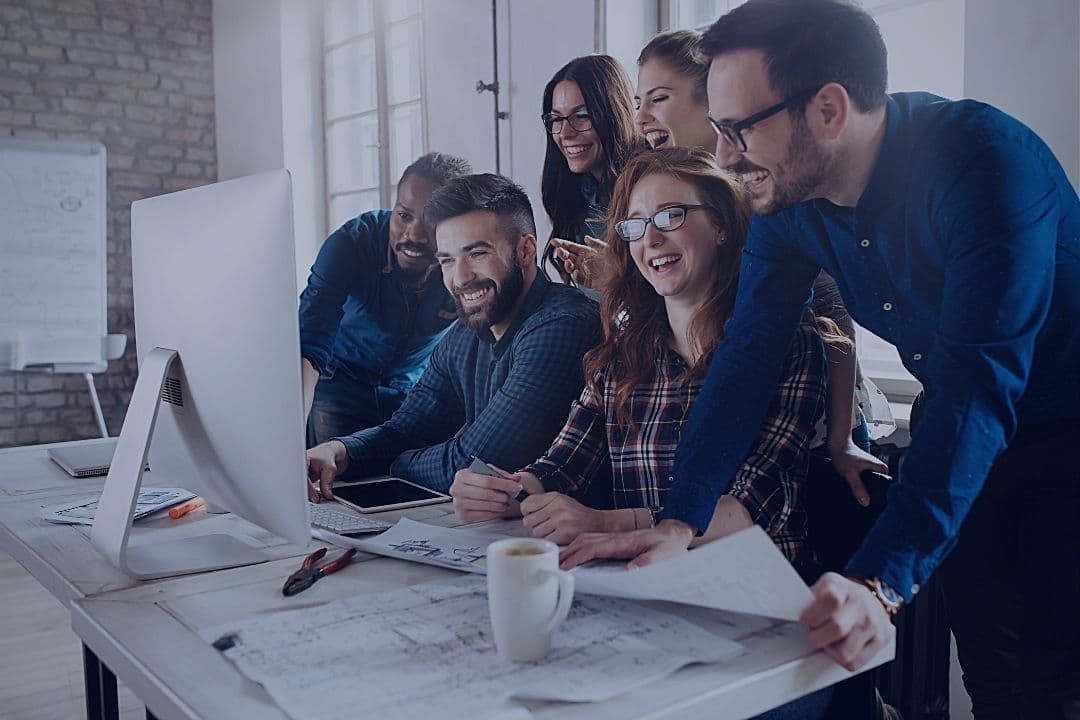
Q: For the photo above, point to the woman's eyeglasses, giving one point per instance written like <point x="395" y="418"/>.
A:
<point x="579" y="120"/>
<point x="664" y="220"/>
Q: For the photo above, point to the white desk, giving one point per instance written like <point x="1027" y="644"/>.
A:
<point x="147" y="631"/>
<point x="150" y="637"/>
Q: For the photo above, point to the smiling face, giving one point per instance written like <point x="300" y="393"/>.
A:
<point x="408" y="240"/>
<point x="783" y="163"/>
<point x="669" y="111"/>
<point x="583" y="151"/>
<point x="679" y="263"/>
<point x="482" y="269"/>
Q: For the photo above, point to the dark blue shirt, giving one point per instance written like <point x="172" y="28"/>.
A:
<point x="360" y="316"/>
<point x="964" y="252"/>
<point x="503" y="401"/>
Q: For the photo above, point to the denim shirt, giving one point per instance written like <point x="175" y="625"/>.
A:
<point x="358" y="315"/>
<point x="964" y="252"/>
<point x="502" y="401"/>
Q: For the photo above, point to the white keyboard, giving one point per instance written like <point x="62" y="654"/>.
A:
<point x="328" y="518"/>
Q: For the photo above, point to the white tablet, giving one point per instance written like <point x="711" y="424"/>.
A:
<point x="372" y="496"/>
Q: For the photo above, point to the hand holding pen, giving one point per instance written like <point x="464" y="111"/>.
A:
<point x="484" y="492"/>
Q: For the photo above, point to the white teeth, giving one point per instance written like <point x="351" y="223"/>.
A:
<point x="756" y="176"/>
<point x="575" y="149"/>
<point x="661" y="261"/>
<point x="475" y="295"/>
<point x="412" y="253"/>
<point x="656" y="138"/>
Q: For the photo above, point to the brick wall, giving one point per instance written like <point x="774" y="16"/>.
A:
<point x="137" y="76"/>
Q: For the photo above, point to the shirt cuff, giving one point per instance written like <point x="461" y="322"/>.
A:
<point x="694" y="505"/>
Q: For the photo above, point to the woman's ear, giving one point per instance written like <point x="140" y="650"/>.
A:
<point x="721" y="237"/>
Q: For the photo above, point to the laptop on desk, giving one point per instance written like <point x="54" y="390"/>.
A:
<point x="82" y="461"/>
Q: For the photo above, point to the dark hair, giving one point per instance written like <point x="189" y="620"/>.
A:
<point x="808" y="43"/>
<point x="437" y="168"/>
<point x="679" y="49"/>
<point x="486" y="191"/>
<point x="633" y="315"/>
<point x="608" y="96"/>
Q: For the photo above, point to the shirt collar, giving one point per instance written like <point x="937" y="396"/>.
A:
<point x="534" y="298"/>
<point x="886" y="186"/>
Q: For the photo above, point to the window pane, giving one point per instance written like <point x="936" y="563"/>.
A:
<point x="347" y="18"/>
<point x="403" y="62"/>
<point x="399" y="9"/>
<point x="344" y="207"/>
<point x="699" y="13"/>
<point x="352" y="153"/>
<point x="350" y="79"/>
<point x="406" y="138"/>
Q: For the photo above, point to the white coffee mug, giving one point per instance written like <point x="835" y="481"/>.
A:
<point x="528" y="596"/>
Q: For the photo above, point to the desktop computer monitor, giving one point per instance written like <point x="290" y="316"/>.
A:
<point x="217" y="407"/>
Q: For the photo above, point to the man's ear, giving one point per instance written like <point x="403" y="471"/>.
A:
<point x="527" y="249"/>
<point x="827" y="112"/>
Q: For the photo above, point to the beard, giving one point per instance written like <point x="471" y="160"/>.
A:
<point x="499" y="302"/>
<point x="796" y="177"/>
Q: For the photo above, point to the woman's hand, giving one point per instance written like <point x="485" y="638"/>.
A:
<point x="559" y="518"/>
<point x="581" y="261"/>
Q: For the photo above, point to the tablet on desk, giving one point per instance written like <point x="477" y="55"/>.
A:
<point x="386" y="494"/>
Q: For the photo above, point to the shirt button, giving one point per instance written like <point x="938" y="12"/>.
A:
<point x="917" y="356"/>
<point x="915" y="589"/>
<point x="864" y="242"/>
<point x="887" y="307"/>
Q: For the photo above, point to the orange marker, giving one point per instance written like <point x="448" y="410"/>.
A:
<point x="181" y="510"/>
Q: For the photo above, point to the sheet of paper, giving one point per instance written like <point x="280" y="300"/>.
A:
<point x="425" y="649"/>
<point x="81" y="512"/>
<point x="744" y="573"/>
<point x="454" y="548"/>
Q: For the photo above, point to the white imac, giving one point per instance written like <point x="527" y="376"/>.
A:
<point x="217" y="406"/>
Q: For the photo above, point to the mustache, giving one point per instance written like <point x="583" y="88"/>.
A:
<point x="744" y="167"/>
<point x="473" y="287"/>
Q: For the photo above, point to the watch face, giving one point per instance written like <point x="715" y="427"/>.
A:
<point x="888" y="594"/>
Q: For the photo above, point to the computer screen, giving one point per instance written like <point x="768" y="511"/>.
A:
<point x="214" y="273"/>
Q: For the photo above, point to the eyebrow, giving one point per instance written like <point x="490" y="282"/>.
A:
<point x="658" y="87"/>
<point x="467" y="248"/>
<point x="572" y="110"/>
<point x="404" y="207"/>
<point x="661" y="206"/>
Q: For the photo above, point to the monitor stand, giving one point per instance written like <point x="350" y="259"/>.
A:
<point x="116" y="508"/>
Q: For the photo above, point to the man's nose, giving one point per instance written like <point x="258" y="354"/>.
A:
<point x="727" y="156"/>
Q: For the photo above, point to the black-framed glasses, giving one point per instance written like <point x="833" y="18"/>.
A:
<point x="732" y="131"/>
<point x="664" y="220"/>
<point x="579" y="120"/>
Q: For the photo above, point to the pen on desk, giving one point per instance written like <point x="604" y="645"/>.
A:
<point x="181" y="510"/>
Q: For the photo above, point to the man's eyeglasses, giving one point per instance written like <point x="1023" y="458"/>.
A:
<point x="665" y="220"/>
<point x="578" y="120"/>
<point x="732" y="131"/>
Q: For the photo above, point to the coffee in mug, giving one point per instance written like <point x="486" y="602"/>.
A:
<point x="528" y="596"/>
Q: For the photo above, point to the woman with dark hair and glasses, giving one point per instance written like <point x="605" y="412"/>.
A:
<point x="589" y="120"/>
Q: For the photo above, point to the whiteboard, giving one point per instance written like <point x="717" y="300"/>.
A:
<point x="53" y="303"/>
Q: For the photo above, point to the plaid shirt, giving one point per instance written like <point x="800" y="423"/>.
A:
<point x="509" y="396"/>
<point x="641" y="458"/>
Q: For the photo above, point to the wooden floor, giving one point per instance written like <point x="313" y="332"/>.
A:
<point x="40" y="657"/>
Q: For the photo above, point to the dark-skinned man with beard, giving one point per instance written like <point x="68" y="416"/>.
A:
<point x="374" y="308"/>
<point x="500" y="380"/>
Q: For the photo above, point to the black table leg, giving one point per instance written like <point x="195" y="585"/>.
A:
<point x="101" y="698"/>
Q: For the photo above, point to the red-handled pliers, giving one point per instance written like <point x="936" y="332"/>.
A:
<point x="308" y="573"/>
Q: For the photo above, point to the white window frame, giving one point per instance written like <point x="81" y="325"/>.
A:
<point x="379" y="33"/>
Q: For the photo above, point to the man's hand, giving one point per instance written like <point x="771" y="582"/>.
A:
<point x="324" y="463"/>
<point x="849" y="460"/>
<point x="846" y="621"/>
<point x="559" y="518"/>
<point x="641" y="547"/>
<point x="483" y="497"/>
<point x="580" y="260"/>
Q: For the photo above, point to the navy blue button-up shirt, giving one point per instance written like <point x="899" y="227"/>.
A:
<point x="358" y="315"/>
<point x="964" y="252"/>
<point x="502" y="401"/>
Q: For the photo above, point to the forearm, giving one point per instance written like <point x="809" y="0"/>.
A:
<point x="309" y="377"/>
<point x="730" y="517"/>
<point x="840" y="395"/>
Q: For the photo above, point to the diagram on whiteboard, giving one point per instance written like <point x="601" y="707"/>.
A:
<point x="52" y="253"/>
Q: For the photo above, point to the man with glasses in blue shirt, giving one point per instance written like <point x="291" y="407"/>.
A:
<point x="952" y="232"/>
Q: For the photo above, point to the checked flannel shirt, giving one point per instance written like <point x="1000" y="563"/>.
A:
<point x="638" y="460"/>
